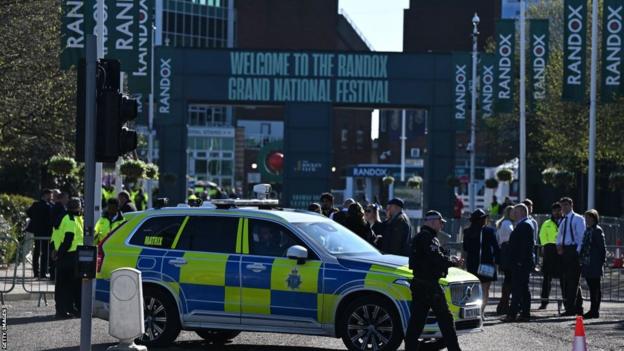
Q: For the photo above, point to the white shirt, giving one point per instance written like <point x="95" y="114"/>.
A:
<point x="534" y="226"/>
<point x="504" y="232"/>
<point x="573" y="226"/>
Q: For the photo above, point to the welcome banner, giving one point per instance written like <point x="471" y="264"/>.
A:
<point x="505" y="49"/>
<point x="612" y="30"/>
<point x="462" y="71"/>
<point x="488" y="84"/>
<point x="539" y="48"/>
<point x="574" y="50"/>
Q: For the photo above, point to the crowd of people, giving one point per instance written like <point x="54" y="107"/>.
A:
<point x="56" y="223"/>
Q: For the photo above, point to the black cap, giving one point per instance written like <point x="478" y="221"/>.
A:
<point x="397" y="201"/>
<point x="430" y="215"/>
<point x="478" y="214"/>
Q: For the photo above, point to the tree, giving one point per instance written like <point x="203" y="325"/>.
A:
<point x="37" y="99"/>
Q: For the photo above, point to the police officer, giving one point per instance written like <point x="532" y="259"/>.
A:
<point x="65" y="241"/>
<point x="548" y="240"/>
<point x="110" y="220"/>
<point x="429" y="263"/>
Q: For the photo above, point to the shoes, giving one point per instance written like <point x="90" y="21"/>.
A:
<point x="501" y="310"/>
<point x="543" y="307"/>
<point x="63" y="315"/>
<point x="568" y="314"/>
<point x="509" y="319"/>
<point x="591" y="315"/>
<point x="524" y="319"/>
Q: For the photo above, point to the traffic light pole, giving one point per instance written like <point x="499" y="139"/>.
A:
<point x="89" y="220"/>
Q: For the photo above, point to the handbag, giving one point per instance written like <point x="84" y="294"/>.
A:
<point x="485" y="269"/>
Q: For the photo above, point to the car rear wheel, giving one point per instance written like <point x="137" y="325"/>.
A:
<point x="162" y="323"/>
<point x="217" y="336"/>
<point x="371" y="323"/>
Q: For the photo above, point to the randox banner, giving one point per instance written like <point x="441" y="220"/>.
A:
<point x="72" y="32"/>
<point x="462" y="64"/>
<point x="139" y="77"/>
<point x="612" y="30"/>
<point x="574" y="50"/>
<point x="539" y="47"/>
<point x="505" y="49"/>
<point x="123" y="34"/>
<point x="488" y="84"/>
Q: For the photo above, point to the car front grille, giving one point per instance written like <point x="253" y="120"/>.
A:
<point x="465" y="293"/>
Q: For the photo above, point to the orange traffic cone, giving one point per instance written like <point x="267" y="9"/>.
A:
<point x="580" y="342"/>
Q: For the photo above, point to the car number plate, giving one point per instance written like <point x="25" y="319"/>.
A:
<point x="471" y="312"/>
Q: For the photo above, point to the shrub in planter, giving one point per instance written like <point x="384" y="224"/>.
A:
<point x="452" y="181"/>
<point x="133" y="169"/>
<point x="388" y="180"/>
<point x="61" y="165"/>
<point x="504" y="175"/>
<point x="151" y="171"/>
<point x="548" y="175"/>
<point x="415" y="182"/>
<point x="491" y="183"/>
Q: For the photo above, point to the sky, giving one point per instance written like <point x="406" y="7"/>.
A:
<point x="381" y="22"/>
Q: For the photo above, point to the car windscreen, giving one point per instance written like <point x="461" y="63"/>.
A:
<point x="337" y="239"/>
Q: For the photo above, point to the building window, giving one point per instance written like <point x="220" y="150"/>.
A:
<point x="200" y="115"/>
<point x="359" y="140"/>
<point x="195" y="23"/>
<point x="344" y="138"/>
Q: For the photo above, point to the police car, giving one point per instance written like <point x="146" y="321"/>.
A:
<point x="245" y="265"/>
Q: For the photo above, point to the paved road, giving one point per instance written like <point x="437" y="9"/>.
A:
<point x="32" y="328"/>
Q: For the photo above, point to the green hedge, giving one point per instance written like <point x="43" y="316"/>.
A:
<point x="13" y="212"/>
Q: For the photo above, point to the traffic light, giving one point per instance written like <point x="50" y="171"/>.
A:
<point x="114" y="110"/>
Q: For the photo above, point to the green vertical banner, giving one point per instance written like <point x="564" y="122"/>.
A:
<point x="574" y="50"/>
<point x="612" y="30"/>
<point x="72" y="32"/>
<point x="487" y="69"/>
<point x="505" y="49"/>
<point x="539" y="52"/>
<point x="123" y="33"/>
<point x="462" y="69"/>
<point x="139" y="77"/>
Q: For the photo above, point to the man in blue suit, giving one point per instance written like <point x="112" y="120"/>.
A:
<point x="521" y="247"/>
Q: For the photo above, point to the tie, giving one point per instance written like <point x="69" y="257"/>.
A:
<point x="565" y="230"/>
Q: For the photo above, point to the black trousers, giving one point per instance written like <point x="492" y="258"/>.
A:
<point x="426" y="296"/>
<point x="41" y="254"/>
<point x="520" y="294"/>
<point x="595" y="294"/>
<point x="68" y="287"/>
<point x="550" y="270"/>
<point x="570" y="278"/>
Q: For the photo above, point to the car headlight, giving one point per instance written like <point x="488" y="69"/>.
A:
<point x="403" y="282"/>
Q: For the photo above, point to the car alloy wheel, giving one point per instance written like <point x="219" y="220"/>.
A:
<point x="155" y="318"/>
<point x="370" y="327"/>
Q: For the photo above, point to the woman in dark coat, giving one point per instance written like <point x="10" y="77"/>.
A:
<point x="356" y="223"/>
<point x="480" y="247"/>
<point x="371" y="215"/>
<point x="593" y="258"/>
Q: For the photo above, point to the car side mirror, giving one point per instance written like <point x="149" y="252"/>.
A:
<point x="297" y="252"/>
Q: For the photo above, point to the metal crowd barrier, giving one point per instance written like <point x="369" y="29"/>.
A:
<point x="9" y="255"/>
<point x="35" y="257"/>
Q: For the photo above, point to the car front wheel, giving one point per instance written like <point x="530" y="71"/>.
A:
<point x="162" y="323"/>
<point x="371" y="323"/>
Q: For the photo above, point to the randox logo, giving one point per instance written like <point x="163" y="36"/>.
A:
<point x="505" y="53"/>
<point x="574" y="44"/>
<point x="144" y="35"/>
<point x="613" y="54"/>
<point x="125" y="9"/>
<point x="487" y="90"/>
<point x="75" y="25"/>
<point x="539" y="66"/>
<point x="461" y="78"/>
<point x="165" y="85"/>
<point x="370" y="172"/>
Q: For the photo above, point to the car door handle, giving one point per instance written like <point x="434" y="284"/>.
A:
<point x="256" y="267"/>
<point x="177" y="262"/>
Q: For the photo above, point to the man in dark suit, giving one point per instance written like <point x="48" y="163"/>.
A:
<point x="522" y="263"/>
<point x="398" y="230"/>
<point x="40" y="226"/>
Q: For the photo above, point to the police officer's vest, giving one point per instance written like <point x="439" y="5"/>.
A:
<point x="71" y="224"/>
<point x="548" y="232"/>
<point x="104" y="225"/>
